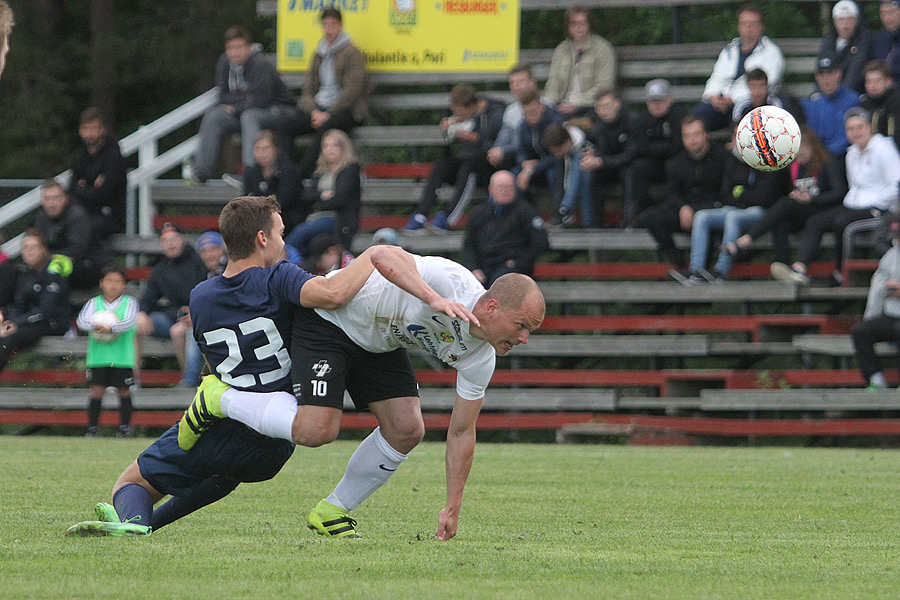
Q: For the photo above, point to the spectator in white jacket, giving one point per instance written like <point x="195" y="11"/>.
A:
<point x="728" y="82"/>
<point x="881" y="321"/>
<point x="873" y="173"/>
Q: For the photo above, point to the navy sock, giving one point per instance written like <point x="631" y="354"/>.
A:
<point x="208" y="491"/>
<point x="94" y="412"/>
<point x="133" y="503"/>
<point x="125" y="409"/>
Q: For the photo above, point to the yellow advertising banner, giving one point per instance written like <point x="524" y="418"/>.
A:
<point x="407" y="35"/>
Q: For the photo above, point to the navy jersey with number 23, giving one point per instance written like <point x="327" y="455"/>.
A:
<point x="243" y="325"/>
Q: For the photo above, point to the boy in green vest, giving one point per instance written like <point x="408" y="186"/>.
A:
<point x="111" y="319"/>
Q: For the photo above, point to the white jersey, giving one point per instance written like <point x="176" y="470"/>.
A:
<point x="382" y="317"/>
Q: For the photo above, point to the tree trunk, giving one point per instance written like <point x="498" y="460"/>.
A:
<point x="103" y="60"/>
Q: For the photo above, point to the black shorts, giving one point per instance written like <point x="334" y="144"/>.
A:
<point x="228" y="449"/>
<point x="326" y="362"/>
<point x="120" y="377"/>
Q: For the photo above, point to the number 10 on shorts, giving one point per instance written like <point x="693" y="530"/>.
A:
<point x="319" y="387"/>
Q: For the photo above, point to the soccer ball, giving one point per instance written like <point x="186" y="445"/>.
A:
<point x="768" y="138"/>
<point x="104" y="318"/>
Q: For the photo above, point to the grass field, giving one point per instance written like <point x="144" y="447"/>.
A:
<point x="539" y="521"/>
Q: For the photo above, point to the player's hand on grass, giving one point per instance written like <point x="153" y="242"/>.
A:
<point x="453" y="309"/>
<point x="447" y="522"/>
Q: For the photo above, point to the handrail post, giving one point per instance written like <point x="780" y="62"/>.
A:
<point x="146" y="153"/>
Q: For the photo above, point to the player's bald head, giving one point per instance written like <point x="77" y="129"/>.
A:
<point x="514" y="290"/>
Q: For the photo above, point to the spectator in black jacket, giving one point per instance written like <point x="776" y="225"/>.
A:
<point x="534" y="159"/>
<point x="40" y="302"/>
<point x="659" y="139"/>
<point x="252" y="97"/>
<point x="818" y="183"/>
<point x="274" y="174"/>
<point x="693" y="182"/>
<point x="99" y="178"/>
<point x="471" y="131"/>
<point x="333" y="197"/>
<point x="614" y="136"/>
<point x="882" y="100"/>
<point x="848" y="44"/>
<point x="164" y="303"/>
<point x="66" y="230"/>
<point x="504" y="235"/>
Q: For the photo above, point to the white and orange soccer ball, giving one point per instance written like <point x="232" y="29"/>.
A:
<point x="768" y="138"/>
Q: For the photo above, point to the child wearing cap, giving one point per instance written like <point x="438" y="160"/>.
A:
<point x="111" y="319"/>
<point x="211" y="247"/>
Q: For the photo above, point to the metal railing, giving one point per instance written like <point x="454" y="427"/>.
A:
<point x="151" y="164"/>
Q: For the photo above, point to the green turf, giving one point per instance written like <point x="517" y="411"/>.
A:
<point x="539" y="521"/>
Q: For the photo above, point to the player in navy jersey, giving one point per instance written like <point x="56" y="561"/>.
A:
<point x="242" y="321"/>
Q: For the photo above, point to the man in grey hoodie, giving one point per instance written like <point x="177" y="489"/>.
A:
<point x="881" y="321"/>
<point x="335" y="95"/>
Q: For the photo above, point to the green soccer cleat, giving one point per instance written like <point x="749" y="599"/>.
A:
<point x="105" y="528"/>
<point x="106" y="513"/>
<point x="328" y="519"/>
<point x="205" y="410"/>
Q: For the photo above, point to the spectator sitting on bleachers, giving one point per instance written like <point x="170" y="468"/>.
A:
<point x="325" y="255"/>
<point x="252" y="97"/>
<point x="728" y="82"/>
<point x="164" y="302"/>
<point x="99" y="177"/>
<point x="6" y="25"/>
<point x="873" y="174"/>
<point x="659" y="139"/>
<point x="332" y="198"/>
<point x="582" y="65"/>
<point x="848" y="43"/>
<point x="213" y="253"/>
<point x="760" y="95"/>
<point x="614" y="144"/>
<point x="882" y="100"/>
<point x="826" y="108"/>
<point x="534" y="161"/>
<point x="567" y="143"/>
<point x="275" y="175"/>
<point x="336" y="94"/>
<point x="881" y="321"/>
<point x="504" y="235"/>
<point x="693" y="182"/>
<point x="818" y="184"/>
<point x="503" y="154"/>
<point x="746" y="193"/>
<point x="40" y="300"/>
<point x="886" y="43"/>
<point x="66" y="230"/>
<point x="471" y="130"/>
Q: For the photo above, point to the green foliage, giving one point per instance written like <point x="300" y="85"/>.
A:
<point x="538" y="521"/>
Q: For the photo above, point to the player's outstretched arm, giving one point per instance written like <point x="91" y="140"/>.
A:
<point x="458" y="461"/>
<point x="399" y="267"/>
<point x="334" y="292"/>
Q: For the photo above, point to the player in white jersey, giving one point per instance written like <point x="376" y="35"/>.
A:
<point x="361" y="348"/>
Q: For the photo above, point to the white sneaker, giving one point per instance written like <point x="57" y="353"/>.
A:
<point x="783" y="272"/>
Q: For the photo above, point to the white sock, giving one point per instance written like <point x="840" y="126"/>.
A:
<point x="269" y="413"/>
<point x="878" y="380"/>
<point x="371" y="465"/>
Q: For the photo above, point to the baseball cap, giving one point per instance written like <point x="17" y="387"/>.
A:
<point x="845" y="8"/>
<point x="386" y="235"/>
<point x="210" y="238"/>
<point x="167" y="227"/>
<point x="825" y="64"/>
<point x="894" y="2"/>
<point x="657" y="89"/>
<point x="316" y="248"/>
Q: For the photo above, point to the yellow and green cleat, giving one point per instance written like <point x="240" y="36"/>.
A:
<point x="328" y="519"/>
<point x="205" y="409"/>
<point x="106" y="512"/>
<point x="106" y="528"/>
